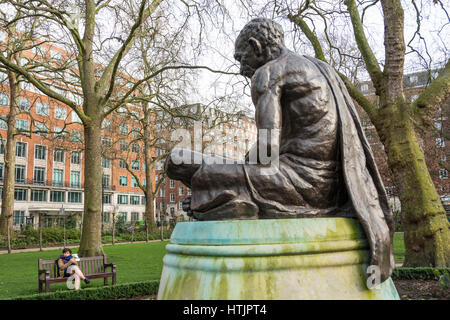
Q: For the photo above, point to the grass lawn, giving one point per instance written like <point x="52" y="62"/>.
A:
<point x="134" y="262"/>
<point x="399" y="247"/>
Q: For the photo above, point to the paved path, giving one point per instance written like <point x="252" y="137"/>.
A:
<point x="68" y="246"/>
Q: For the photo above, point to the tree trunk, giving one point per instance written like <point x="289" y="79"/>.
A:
<point x="7" y="209"/>
<point x="91" y="240"/>
<point x="427" y="234"/>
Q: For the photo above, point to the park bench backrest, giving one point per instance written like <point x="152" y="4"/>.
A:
<point x="88" y="266"/>
<point x="49" y="265"/>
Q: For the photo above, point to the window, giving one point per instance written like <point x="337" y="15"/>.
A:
<point x="106" y="181"/>
<point x="162" y="192"/>
<point x="75" y="157"/>
<point x="122" y="164"/>
<point x="75" y="117"/>
<point x="1" y="171"/>
<point x="4" y="99"/>
<point x="122" y="199"/>
<point x="106" y="141"/>
<point x="122" y="216"/>
<point x="134" y="200"/>
<point x="123" y="128"/>
<point x="172" y="197"/>
<point x="107" y="198"/>
<point x="443" y="174"/>
<point x="57" y="196"/>
<point x="76" y="136"/>
<point x="144" y="181"/>
<point x="18" y="217"/>
<point x="106" y="217"/>
<point x="413" y="78"/>
<point x="135" y="148"/>
<point x="440" y="142"/>
<point x="181" y="191"/>
<point x="172" y="211"/>
<point x="134" y="216"/>
<point x="438" y="125"/>
<point x="134" y="183"/>
<point x="180" y="205"/>
<point x="123" y="181"/>
<point x="143" y="200"/>
<point x="42" y="109"/>
<point x="60" y="113"/>
<point x="106" y="163"/>
<point x="58" y="175"/>
<point x="39" y="195"/>
<point x="75" y="179"/>
<point x="19" y="173"/>
<point x="106" y="124"/>
<point x="189" y="192"/>
<point x="58" y="155"/>
<point x="20" y="194"/>
<point x="39" y="175"/>
<point x="3" y="123"/>
<point x="2" y="147"/>
<point x="74" y="197"/>
<point x="135" y="164"/>
<point x="22" y="124"/>
<point x="135" y="131"/>
<point x="123" y="145"/>
<point x="41" y="129"/>
<point x="172" y="183"/>
<point x="24" y="104"/>
<point x="59" y="133"/>
<point x="21" y="149"/>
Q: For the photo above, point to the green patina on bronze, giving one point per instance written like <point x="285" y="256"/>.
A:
<point x="323" y="258"/>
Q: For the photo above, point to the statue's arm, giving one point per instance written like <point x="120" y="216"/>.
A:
<point x="266" y="95"/>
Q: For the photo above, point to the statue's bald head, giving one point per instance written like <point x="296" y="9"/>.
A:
<point x="266" y="31"/>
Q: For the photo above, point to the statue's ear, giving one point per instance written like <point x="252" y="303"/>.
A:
<point x="256" y="45"/>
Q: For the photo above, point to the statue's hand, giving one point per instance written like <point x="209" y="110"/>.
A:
<point x="187" y="206"/>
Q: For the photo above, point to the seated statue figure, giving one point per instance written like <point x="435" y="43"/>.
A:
<point x="324" y="165"/>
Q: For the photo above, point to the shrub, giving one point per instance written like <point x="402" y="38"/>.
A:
<point x="418" y="273"/>
<point x="127" y="290"/>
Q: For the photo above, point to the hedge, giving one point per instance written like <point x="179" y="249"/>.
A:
<point x="405" y="273"/>
<point x="126" y="290"/>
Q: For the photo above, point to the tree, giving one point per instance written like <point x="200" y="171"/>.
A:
<point x="427" y="234"/>
<point x="97" y="85"/>
<point x="14" y="47"/>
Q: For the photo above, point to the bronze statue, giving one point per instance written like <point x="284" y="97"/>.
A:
<point x="325" y="167"/>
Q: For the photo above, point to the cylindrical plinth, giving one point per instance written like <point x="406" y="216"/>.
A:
<point x="320" y="258"/>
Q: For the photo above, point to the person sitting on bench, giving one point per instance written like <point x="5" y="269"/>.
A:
<point x="68" y="266"/>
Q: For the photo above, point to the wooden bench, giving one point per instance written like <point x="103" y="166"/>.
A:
<point x="92" y="268"/>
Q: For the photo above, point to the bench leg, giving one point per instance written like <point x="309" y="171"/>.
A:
<point x="105" y="281"/>
<point x="39" y="286"/>
<point x="114" y="279"/>
<point x="47" y="287"/>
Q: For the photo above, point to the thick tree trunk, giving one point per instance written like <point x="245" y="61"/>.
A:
<point x="427" y="233"/>
<point x="7" y="208"/>
<point x="91" y="240"/>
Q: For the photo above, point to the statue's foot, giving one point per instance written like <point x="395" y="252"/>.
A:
<point x="181" y="165"/>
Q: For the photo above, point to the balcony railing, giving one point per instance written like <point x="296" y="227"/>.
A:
<point x="49" y="183"/>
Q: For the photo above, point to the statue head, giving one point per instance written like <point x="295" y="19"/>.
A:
<point x="259" y="42"/>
